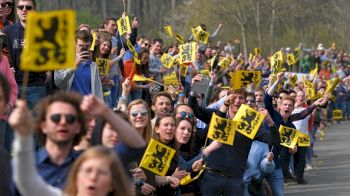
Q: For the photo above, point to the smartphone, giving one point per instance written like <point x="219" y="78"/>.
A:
<point x="85" y="50"/>
<point x="200" y="87"/>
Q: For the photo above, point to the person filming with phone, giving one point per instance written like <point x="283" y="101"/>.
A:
<point x="85" y="78"/>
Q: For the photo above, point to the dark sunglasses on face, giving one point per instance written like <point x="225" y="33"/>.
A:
<point x="21" y="7"/>
<point x="250" y="101"/>
<point x="5" y="4"/>
<point x="69" y="118"/>
<point x="142" y="113"/>
<point x="185" y="114"/>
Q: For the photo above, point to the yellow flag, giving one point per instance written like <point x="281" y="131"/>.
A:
<point x="250" y="57"/>
<point x="314" y="71"/>
<point x="180" y="38"/>
<point x="222" y="130"/>
<point x="168" y="30"/>
<point x="204" y="72"/>
<point x="200" y="35"/>
<point x="293" y="80"/>
<point x="49" y="41"/>
<point x="157" y="158"/>
<point x="212" y="60"/>
<point x="133" y="52"/>
<point x="167" y="60"/>
<point x="138" y="78"/>
<point x="94" y="38"/>
<point x="337" y="114"/>
<point x="332" y="84"/>
<point x="171" y="80"/>
<point x="183" y="70"/>
<point x="123" y="25"/>
<point x="289" y="136"/>
<point x="243" y="78"/>
<point x="303" y="139"/>
<point x="188" y="179"/>
<point x="276" y="63"/>
<point x="310" y="93"/>
<point x="290" y="59"/>
<point x="257" y="51"/>
<point x="188" y="52"/>
<point x="224" y="62"/>
<point x="103" y="66"/>
<point x="248" y="121"/>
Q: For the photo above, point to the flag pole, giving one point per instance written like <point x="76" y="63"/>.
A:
<point x="24" y="84"/>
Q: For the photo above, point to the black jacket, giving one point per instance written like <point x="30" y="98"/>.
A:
<point x="14" y="38"/>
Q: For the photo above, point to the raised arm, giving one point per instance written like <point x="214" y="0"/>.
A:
<point x="126" y="132"/>
<point x="25" y="174"/>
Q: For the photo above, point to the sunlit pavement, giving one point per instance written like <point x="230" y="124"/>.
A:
<point x="331" y="169"/>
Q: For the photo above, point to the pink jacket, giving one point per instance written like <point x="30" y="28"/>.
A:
<point x="6" y="70"/>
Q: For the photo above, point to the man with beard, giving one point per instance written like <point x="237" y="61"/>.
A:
<point x="61" y="124"/>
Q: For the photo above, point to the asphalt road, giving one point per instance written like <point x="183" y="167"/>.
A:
<point x="331" y="173"/>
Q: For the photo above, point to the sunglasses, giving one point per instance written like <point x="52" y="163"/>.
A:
<point x="27" y="7"/>
<point x="185" y="114"/>
<point x="5" y="4"/>
<point x="142" y="113"/>
<point x="69" y="118"/>
<point x="250" y="101"/>
<point x="147" y="45"/>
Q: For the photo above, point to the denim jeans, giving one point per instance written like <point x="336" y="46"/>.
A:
<point x="275" y="180"/>
<point x="215" y="184"/>
<point x="115" y="92"/>
<point x="33" y="94"/>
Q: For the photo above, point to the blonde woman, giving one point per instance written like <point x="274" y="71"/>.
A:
<point x="140" y="117"/>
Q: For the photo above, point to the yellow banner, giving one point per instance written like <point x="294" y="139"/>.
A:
<point x="248" y="121"/>
<point x="224" y="62"/>
<point x="123" y="25"/>
<point x="310" y="93"/>
<point x="171" y="80"/>
<point x="180" y="38"/>
<point x="188" y="179"/>
<point x="133" y="52"/>
<point x="200" y="35"/>
<point x="331" y="84"/>
<point x="303" y="139"/>
<point x="289" y="136"/>
<point x="94" y="38"/>
<point x="257" y="51"/>
<point x="276" y="63"/>
<point x="204" y="72"/>
<point x="314" y="71"/>
<point x="167" y="60"/>
<point x="188" y="52"/>
<point x="222" y="129"/>
<point x="103" y="66"/>
<point x="168" y="30"/>
<point x="293" y="80"/>
<point x="49" y="41"/>
<point x="290" y="59"/>
<point x="337" y="114"/>
<point x="212" y="60"/>
<point x="242" y="78"/>
<point x="183" y="70"/>
<point x="138" y="78"/>
<point x="157" y="158"/>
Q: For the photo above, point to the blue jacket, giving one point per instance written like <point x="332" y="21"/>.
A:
<point x="258" y="165"/>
